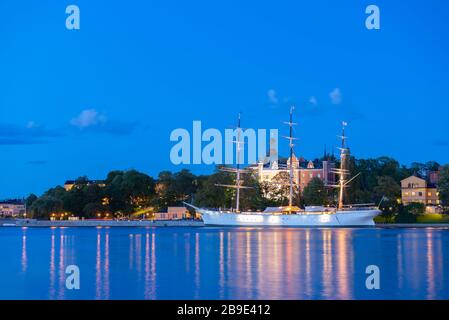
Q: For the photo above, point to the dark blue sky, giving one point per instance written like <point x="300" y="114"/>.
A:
<point x="107" y="96"/>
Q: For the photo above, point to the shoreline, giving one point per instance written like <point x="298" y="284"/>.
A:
<point x="101" y="223"/>
<point x="164" y="223"/>
<point x="412" y="225"/>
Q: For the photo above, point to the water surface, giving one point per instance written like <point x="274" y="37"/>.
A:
<point x="224" y="263"/>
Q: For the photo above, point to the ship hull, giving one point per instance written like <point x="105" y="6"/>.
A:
<point x="358" y="218"/>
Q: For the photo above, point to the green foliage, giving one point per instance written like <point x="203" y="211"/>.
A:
<point x="422" y="169"/>
<point x="92" y="209"/>
<point x="443" y="185"/>
<point x="251" y="199"/>
<point x="174" y="188"/>
<point x="211" y="196"/>
<point x="386" y="187"/>
<point x="405" y="215"/>
<point x="390" y="208"/>
<point x="127" y="192"/>
<point x="376" y="177"/>
<point x="44" y="206"/>
<point x="433" y="218"/>
<point x="314" y="194"/>
<point x="30" y="200"/>
<point x="124" y="192"/>
<point x="416" y="208"/>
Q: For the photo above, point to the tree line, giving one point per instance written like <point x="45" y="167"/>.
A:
<point x="124" y="193"/>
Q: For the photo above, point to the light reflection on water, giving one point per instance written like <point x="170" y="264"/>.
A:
<point x="224" y="263"/>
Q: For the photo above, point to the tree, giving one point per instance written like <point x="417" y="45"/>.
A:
<point x="314" y="194"/>
<point x="415" y="208"/>
<point x="74" y="202"/>
<point x="387" y="187"/>
<point x="165" y="190"/>
<point x="44" y="206"/>
<point x="277" y="190"/>
<point x="91" y="210"/>
<point x="138" y="189"/>
<point x="128" y="191"/>
<point x="30" y="200"/>
<point x="251" y="198"/>
<point x="211" y="196"/>
<point x="418" y="169"/>
<point x="405" y="215"/>
<point x="443" y="185"/>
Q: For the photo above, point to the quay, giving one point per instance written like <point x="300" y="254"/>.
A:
<point x="100" y="223"/>
<point x="162" y="223"/>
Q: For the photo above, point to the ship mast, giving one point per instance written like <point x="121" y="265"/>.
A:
<point x="342" y="172"/>
<point x="238" y="182"/>
<point x="291" y="145"/>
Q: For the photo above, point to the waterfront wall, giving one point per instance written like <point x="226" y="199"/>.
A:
<point x="102" y="223"/>
<point x="161" y="223"/>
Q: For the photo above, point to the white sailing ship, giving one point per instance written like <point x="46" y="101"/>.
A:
<point x="360" y="215"/>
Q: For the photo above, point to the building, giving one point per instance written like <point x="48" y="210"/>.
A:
<point x="12" y="208"/>
<point x="415" y="189"/>
<point x="303" y="171"/>
<point x="173" y="213"/>
<point x="69" y="184"/>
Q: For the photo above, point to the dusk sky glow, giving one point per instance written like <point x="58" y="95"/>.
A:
<point x="107" y="96"/>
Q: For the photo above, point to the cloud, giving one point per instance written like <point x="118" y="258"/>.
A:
<point x="37" y="162"/>
<point x="31" y="125"/>
<point x="92" y="121"/>
<point x="442" y="142"/>
<point x="31" y="133"/>
<point x="88" y="118"/>
<point x="313" y="101"/>
<point x="272" y="96"/>
<point x="335" y="96"/>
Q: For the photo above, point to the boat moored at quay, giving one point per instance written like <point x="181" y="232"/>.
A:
<point x="353" y="215"/>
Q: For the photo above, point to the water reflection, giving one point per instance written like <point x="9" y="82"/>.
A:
<point x="24" y="259"/>
<point x="252" y="263"/>
<point x="98" y="294"/>
<point x="197" y="266"/>
<point x="106" y="266"/>
<point x="52" y="289"/>
<point x="61" y="266"/>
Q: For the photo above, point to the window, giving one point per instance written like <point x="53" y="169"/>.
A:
<point x="420" y="194"/>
